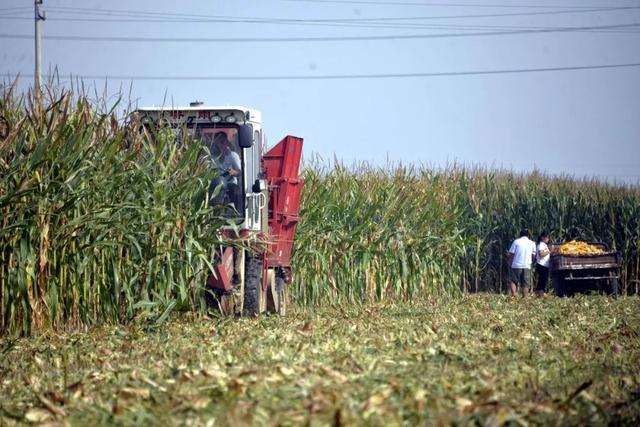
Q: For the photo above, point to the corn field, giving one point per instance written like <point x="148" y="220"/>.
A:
<point x="99" y="224"/>
<point x="405" y="232"/>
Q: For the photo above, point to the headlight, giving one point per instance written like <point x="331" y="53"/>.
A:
<point x="216" y="118"/>
<point x="230" y="119"/>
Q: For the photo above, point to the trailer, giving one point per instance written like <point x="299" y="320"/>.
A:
<point x="584" y="273"/>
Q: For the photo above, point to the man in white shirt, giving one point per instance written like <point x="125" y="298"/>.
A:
<point x="522" y="254"/>
<point x="229" y="161"/>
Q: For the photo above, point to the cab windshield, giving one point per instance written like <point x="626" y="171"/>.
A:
<point x="224" y="154"/>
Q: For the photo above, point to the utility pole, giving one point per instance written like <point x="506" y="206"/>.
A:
<point x="39" y="16"/>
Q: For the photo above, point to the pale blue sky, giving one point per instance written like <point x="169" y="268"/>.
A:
<point x="581" y="122"/>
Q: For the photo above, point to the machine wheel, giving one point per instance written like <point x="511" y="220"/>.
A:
<point x="226" y="304"/>
<point x="264" y="296"/>
<point x="252" y="285"/>
<point x="281" y="294"/>
<point x="211" y="297"/>
<point x="276" y="294"/>
<point x="229" y="303"/>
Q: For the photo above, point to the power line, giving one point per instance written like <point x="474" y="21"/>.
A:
<point x="381" y="22"/>
<point x="14" y="14"/>
<point x="9" y="9"/>
<point x="310" y="39"/>
<point x="342" y="76"/>
<point x="364" y="24"/>
<point x="372" y="25"/>
<point x="144" y="14"/>
<point x="433" y="4"/>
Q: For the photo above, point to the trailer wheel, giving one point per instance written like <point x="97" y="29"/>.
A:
<point x="558" y="284"/>
<point x="612" y="287"/>
<point x="276" y="294"/>
<point x="252" y="283"/>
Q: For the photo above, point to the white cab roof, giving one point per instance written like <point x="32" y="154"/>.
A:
<point x="255" y="115"/>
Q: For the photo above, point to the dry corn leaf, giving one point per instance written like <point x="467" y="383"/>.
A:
<point x="130" y="392"/>
<point x="201" y="403"/>
<point x="51" y="407"/>
<point x="37" y="415"/>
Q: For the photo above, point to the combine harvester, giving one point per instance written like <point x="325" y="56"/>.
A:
<point x="262" y="199"/>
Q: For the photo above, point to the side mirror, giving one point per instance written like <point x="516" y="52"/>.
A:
<point x="245" y="136"/>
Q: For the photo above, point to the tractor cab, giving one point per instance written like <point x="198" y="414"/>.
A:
<point x="233" y="139"/>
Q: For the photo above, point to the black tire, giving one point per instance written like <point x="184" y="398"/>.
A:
<point x="252" y="283"/>
<point x="277" y="297"/>
<point x="211" y="297"/>
<point x="281" y="291"/>
<point x="558" y="284"/>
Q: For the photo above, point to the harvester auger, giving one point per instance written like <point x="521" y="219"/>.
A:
<point x="261" y="192"/>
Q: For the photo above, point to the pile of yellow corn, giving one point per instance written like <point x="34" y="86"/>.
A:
<point x="579" y="248"/>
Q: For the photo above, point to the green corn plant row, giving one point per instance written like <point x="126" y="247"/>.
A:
<point x="100" y="222"/>
<point x="97" y="222"/>
<point x="400" y="232"/>
<point x="375" y="233"/>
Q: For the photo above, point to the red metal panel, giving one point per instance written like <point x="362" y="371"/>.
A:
<point x="283" y="160"/>
<point x="224" y="272"/>
<point x="282" y="164"/>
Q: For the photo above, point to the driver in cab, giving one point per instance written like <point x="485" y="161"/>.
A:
<point x="229" y="165"/>
<point x="229" y="160"/>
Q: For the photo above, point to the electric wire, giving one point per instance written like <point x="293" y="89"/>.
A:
<point x="310" y="39"/>
<point x="146" y="15"/>
<point x="337" y="76"/>
<point x="434" y="4"/>
<point x="9" y="9"/>
<point x="382" y="22"/>
<point x="372" y="25"/>
<point x="15" y="14"/>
